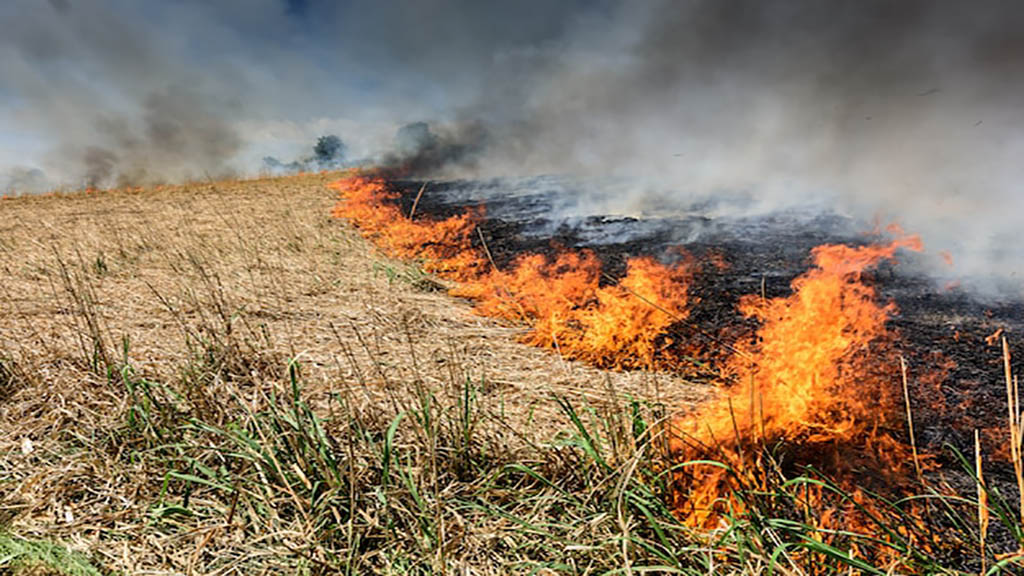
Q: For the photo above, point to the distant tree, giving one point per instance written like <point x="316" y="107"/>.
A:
<point x="329" y="150"/>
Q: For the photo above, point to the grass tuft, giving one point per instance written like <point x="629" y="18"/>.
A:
<point x="19" y="556"/>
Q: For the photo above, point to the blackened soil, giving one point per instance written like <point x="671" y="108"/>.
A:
<point x="956" y="375"/>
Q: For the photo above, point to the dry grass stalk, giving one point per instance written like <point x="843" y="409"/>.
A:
<point x="982" y="501"/>
<point x="416" y="202"/>
<point x="910" y="418"/>
<point x="1013" y="405"/>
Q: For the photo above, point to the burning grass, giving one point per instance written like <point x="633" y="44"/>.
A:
<point x="813" y="394"/>
<point x="817" y="384"/>
<point x="565" y="299"/>
<point x="444" y="246"/>
<point x="218" y="380"/>
<point x="620" y="325"/>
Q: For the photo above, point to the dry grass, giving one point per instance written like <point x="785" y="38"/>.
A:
<point x="129" y="320"/>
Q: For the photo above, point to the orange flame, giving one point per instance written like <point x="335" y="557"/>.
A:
<point x="814" y="377"/>
<point x="444" y="246"/>
<point x="561" y="297"/>
<point x="623" y="325"/>
<point x="816" y="383"/>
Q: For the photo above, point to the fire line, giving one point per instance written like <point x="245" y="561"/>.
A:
<point x="812" y="386"/>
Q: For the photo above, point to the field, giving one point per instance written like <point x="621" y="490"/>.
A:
<point x="221" y="378"/>
<point x="137" y="328"/>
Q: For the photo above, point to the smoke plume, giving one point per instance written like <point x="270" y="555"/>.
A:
<point x="905" y="110"/>
<point x="908" y="110"/>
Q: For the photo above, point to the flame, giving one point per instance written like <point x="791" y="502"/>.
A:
<point x="623" y="325"/>
<point x="444" y="246"/>
<point x="817" y="384"/>
<point x="816" y="379"/>
<point x="561" y="297"/>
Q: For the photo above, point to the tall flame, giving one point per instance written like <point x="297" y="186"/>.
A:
<point x="817" y="376"/>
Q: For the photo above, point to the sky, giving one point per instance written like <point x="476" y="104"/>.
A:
<point x="107" y="90"/>
<point x="907" y="110"/>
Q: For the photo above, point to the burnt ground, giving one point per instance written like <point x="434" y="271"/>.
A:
<point x="942" y="331"/>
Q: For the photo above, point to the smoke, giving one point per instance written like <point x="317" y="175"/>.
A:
<point x="20" y="179"/>
<point x="420" y="150"/>
<point x="141" y="91"/>
<point x="907" y="110"/>
<point x="107" y="96"/>
<point x="174" y="137"/>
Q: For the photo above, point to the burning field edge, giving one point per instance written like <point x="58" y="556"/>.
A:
<point x="219" y="378"/>
<point x="807" y="391"/>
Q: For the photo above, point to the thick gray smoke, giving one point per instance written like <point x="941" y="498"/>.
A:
<point x="910" y="110"/>
<point x="101" y="92"/>
<point x="106" y="99"/>
<point x="420" y="150"/>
